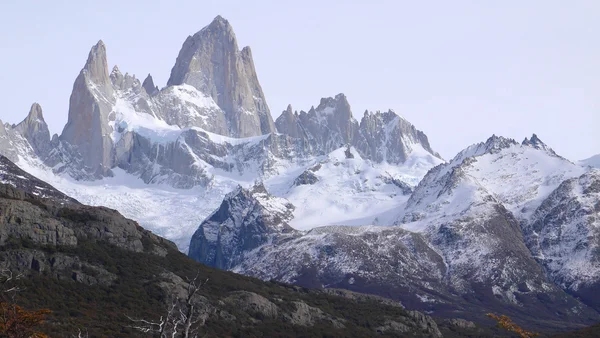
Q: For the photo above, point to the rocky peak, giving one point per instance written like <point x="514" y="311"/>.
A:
<point x="149" y="86"/>
<point x="220" y="25"/>
<point x="211" y="62"/>
<point x="496" y="143"/>
<point x="339" y="105"/>
<point x="536" y="143"/>
<point x="385" y="136"/>
<point x="116" y="77"/>
<point x="35" y="130"/>
<point x="96" y="65"/>
<point x="287" y="123"/>
<point x="245" y="220"/>
<point x="335" y="114"/>
<point x="90" y="105"/>
<point x="385" y="117"/>
<point x="492" y="145"/>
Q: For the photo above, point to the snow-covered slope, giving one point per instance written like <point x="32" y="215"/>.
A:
<point x="350" y="190"/>
<point x="564" y="235"/>
<point x="519" y="176"/>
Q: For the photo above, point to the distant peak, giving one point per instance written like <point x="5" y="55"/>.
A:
<point x="289" y="109"/>
<point x="97" y="52"/>
<point x="115" y="70"/>
<point x="218" y="24"/>
<point x="339" y="99"/>
<point x="149" y="86"/>
<point x="498" y="142"/>
<point x="536" y="143"/>
<point x="534" y="140"/>
<point x="35" y="112"/>
<point x="220" y="20"/>
<point x="97" y="65"/>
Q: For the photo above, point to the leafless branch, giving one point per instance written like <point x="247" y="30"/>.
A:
<point x="181" y="318"/>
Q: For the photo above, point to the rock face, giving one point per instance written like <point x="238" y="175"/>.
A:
<point x="380" y="137"/>
<point x="245" y="220"/>
<point x="35" y="130"/>
<point x="307" y="177"/>
<point x="91" y="103"/>
<point x="211" y="62"/>
<point x="388" y="137"/>
<point x="149" y="86"/>
<point x="563" y="235"/>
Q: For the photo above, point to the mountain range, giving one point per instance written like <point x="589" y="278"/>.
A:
<point x="318" y="198"/>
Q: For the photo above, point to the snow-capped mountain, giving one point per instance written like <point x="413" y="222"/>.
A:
<point x="319" y="198"/>
<point x="461" y="244"/>
<point x="153" y="153"/>
<point x="564" y="236"/>
<point x="593" y="161"/>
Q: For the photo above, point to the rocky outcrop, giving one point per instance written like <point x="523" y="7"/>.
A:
<point x="306" y="315"/>
<point x="149" y="86"/>
<point x="253" y="303"/>
<point x="211" y="62"/>
<point x="424" y="324"/>
<point x="306" y="178"/>
<point x="246" y="220"/>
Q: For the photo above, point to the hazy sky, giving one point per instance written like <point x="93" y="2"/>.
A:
<point x="459" y="70"/>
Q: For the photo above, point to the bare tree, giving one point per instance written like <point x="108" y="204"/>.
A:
<point x="9" y="284"/>
<point x="181" y="317"/>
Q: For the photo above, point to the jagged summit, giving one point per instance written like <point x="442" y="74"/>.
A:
<point x="381" y="137"/>
<point x="97" y="65"/>
<point x="496" y="143"/>
<point x="231" y="82"/>
<point x="91" y="102"/>
<point x="219" y="23"/>
<point x="35" y="130"/>
<point x="35" y="113"/>
<point x="149" y="86"/>
<point x="536" y="143"/>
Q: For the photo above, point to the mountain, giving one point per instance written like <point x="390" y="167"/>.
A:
<point x="316" y="198"/>
<point x="563" y="235"/>
<point x="97" y="271"/>
<point x="152" y="153"/>
<point x="461" y="244"/>
<point x="379" y="136"/>
<point x="211" y="62"/>
<point x="593" y="161"/>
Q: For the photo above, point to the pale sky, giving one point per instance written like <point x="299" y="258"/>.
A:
<point x="458" y="70"/>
